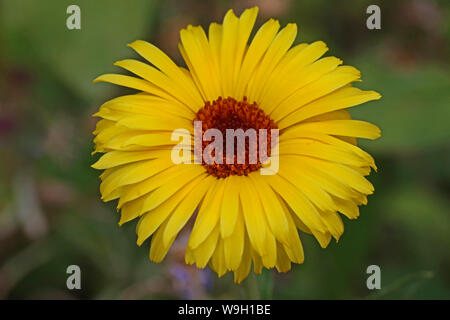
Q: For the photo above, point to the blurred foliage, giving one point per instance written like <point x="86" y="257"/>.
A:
<point x="51" y="215"/>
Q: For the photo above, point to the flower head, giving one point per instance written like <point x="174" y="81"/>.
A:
<point x="295" y="101"/>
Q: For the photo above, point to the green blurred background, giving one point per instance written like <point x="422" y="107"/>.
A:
<point x="51" y="215"/>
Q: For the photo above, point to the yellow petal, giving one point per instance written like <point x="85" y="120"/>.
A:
<point x="215" y="44"/>
<point x="145" y="122"/>
<point x="234" y="245"/>
<point x="283" y="261"/>
<point x="208" y="215"/>
<point x="345" y="173"/>
<point x="310" y="148"/>
<point x="102" y="125"/>
<point x="342" y="98"/>
<point x="153" y="182"/>
<point x="297" y="79"/>
<point x="246" y="23"/>
<point x="349" y="128"/>
<point x="297" y="201"/>
<point x="290" y="67"/>
<point x="158" y="249"/>
<point x="243" y="270"/>
<point x="263" y="38"/>
<point x="185" y="209"/>
<point x="293" y="248"/>
<point x="134" y="83"/>
<point x="230" y="206"/>
<point x="299" y="132"/>
<point x="197" y="50"/>
<point x="153" y="139"/>
<point x="272" y="208"/>
<point x="133" y="173"/>
<point x="169" y="188"/>
<point x="319" y="197"/>
<point x="217" y="262"/>
<point x="347" y="207"/>
<point x="253" y="216"/>
<point x="326" y="181"/>
<point x="230" y="29"/>
<point x="131" y="210"/>
<point x="275" y="52"/>
<point x="269" y="259"/>
<point x="333" y="222"/>
<point x="203" y="253"/>
<point x="150" y="221"/>
<point x="192" y="72"/>
<point x="159" y="79"/>
<point x="117" y="158"/>
<point x="159" y="59"/>
<point x="144" y="104"/>
<point x="257" y="262"/>
<point x="330" y="82"/>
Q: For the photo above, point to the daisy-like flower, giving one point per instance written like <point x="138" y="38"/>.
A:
<point x="240" y="217"/>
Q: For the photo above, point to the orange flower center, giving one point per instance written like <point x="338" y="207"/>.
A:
<point x="223" y="114"/>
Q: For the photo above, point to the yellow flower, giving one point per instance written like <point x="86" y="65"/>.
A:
<point x="240" y="215"/>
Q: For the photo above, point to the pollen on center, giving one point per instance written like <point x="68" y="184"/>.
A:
<point x="223" y="114"/>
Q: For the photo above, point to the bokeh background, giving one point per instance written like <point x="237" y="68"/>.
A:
<point x="51" y="215"/>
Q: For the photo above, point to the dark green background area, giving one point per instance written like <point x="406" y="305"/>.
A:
<point x="51" y="215"/>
